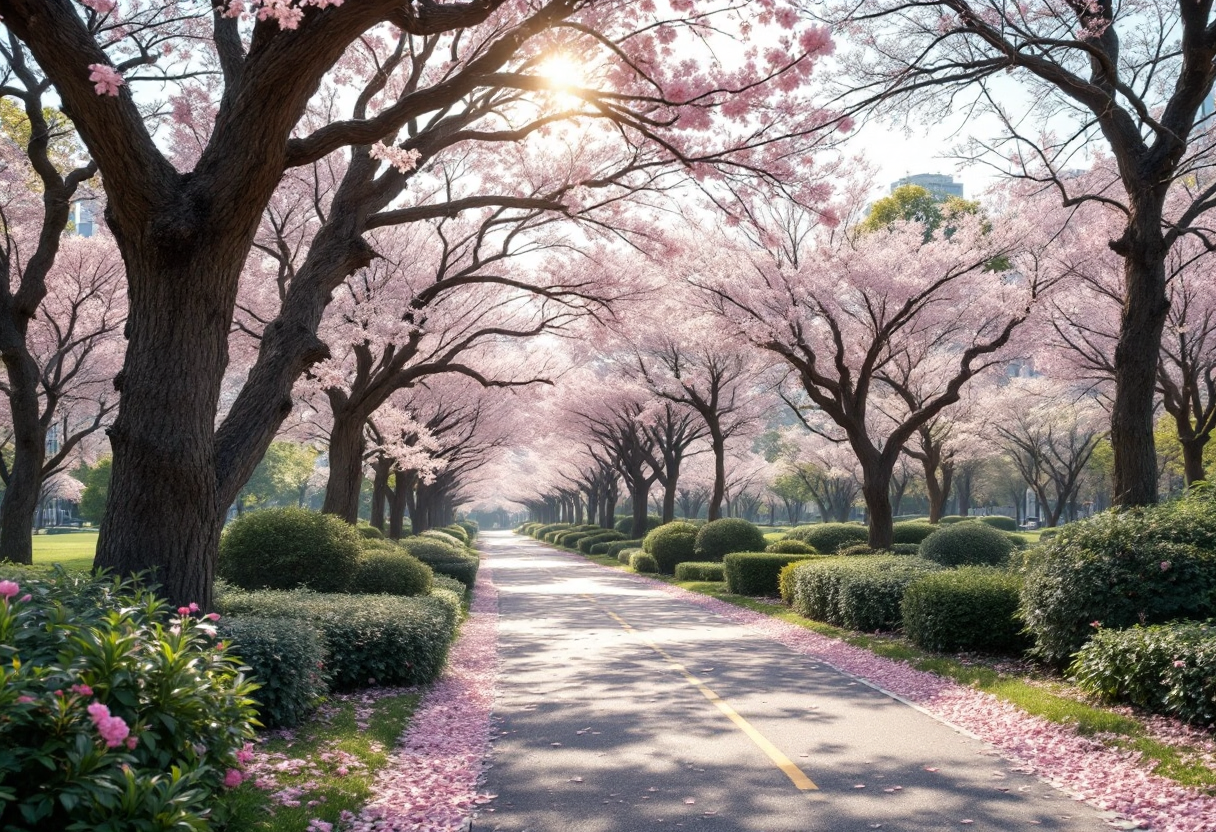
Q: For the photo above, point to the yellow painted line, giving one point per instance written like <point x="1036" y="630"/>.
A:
<point x="796" y="775"/>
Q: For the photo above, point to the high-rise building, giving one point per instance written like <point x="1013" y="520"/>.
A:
<point x="82" y="216"/>
<point x="939" y="184"/>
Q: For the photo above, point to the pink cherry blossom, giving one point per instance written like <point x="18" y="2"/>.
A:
<point x="8" y="589"/>
<point x="233" y="778"/>
<point x="111" y="728"/>
<point x="83" y="690"/>
<point x="106" y="79"/>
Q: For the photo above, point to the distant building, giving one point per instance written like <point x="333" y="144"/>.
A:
<point x="82" y="216"/>
<point x="939" y="184"/>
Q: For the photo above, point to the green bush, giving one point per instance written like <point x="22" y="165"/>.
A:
<point x="104" y="690"/>
<point x="446" y="537"/>
<point x="860" y="593"/>
<point x="626" y="555"/>
<point x="391" y="573"/>
<point x="624" y="525"/>
<point x="967" y="544"/>
<point x="791" y="547"/>
<point x="457" y="532"/>
<point x="670" y="544"/>
<point x="370" y="640"/>
<point x="912" y="531"/>
<point x="444" y="558"/>
<point x="642" y="562"/>
<point x="285" y="548"/>
<point x="786" y="583"/>
<point x="600" y="548"/>
<point x="1164" y="668"/>
<point x="619" y="546"/>
<point x="969" y="608"/>
<point x="287" y="659"/>
<point x="471" y="529"/>
<point x="1142" y="566"/>
<point x="828" y="537"/>
<point x="855" y="549"/>
<point x="691" y="570"/>
<point x="540" y="532"/>
<point x="450" y="584"/>
<point x="1000" y="521"/>
<point x="719" y="538"/>
<point x="756" y="573"/>
<point x="595" y="538"/>
<point x="369" y="532"/>
<point x="951" y="519"/>
<point x="905" y="549"/>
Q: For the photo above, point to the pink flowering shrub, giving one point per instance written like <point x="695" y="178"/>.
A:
<point x="116" y="711"/>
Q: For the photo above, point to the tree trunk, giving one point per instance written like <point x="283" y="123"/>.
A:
<point x="639" y="492"/>
<point x="876" y="489"/>
<point x="1192" y="460"/>
<point x="29" y="451"/>
<point x="718" y="444"/>
<point x="669" y="498"/>
<point x="938" y="490"/>
<point x="383" y="468"/>
<point x="397" y="502"/>
<point x="345" y="465"/>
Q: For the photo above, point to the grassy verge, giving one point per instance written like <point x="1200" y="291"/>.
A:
<point x="1033" y="691"/>
<point x="74" y="551"/>
<point x="337" y="757"/>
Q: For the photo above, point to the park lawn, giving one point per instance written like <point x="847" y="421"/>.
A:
<point x="73" y="551"/>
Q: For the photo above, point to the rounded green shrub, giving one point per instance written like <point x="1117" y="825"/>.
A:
<point x="602" y="536"/>
<point x="286" y="658"/>
<point x="691" y="570"/>
<point x="626" y="555"/>
<point x="1000" y="521"/>
<point x="457" y="532"/>
<point x="444" y="558"/>
<point x="446" y="537"/>
<point x="369" y="532"/>
<point x="450" y="584"/>
<point x="829" y="537"/>
<point x="540" y="532"/>
<point x="756" y="573"/>
<point x="670" y="544"/>
<point x="642" y="562"/>
<point x="860" y="593"/>
<point x="616" y="547"/>
<point x="791" y="547"/>
<point x="905" y="549"/>
<point x="285" y="548"/>
<point x="471" y="529"/>
<point x="718" y="538"/>
<point x="624" y="525"/>
<point x="912" y="531"/>
<point x="967" y="544"/>
<point x="969" y="608"/>
<point x="951" y="519"/>
<point x="855" y="549"/>
<point x="391" y="573"/>
<point x="1164" y="668"/>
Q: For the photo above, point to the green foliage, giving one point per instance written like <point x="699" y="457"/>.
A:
<point x="446" y="537"/>
<point x="642" y="562"/>
<point x="596" y="538"/>
<point x="791" y="547"/>
<point x="1142" y="566"/>
<point x="471" y="529"/>
<point x="860" y="593"/>
<point x="369" y="533"/>
<point x="912" y="531"/>
<point x="691" y="570"/>
<point x="281" y="477"/>
<point x="624" y="525"/>
<point x="177" y="711"/>
<point x="285" y="548"/>
<point x="96" y="481"/>
<point x="619" y="546"/>
<point x="542" y="532"/>
<point x="905" y="549"/>
<point x="951" y="519"/>
<point x="719" y="538"/>
<point x="391" y="573"/>
<point x="1000" y="521"/>
<point x="1165" y="668"/>
<point x="786" y="582"/>
<point x="756" y="573"/>
<point x="370" y="639"/>
<point x="287" y="659"/>
<point x="444" y="558"/>
<point x="855" y="549"/>
<point x="457" y="532"/>
<point x="829" y="537"/>
<point x="969" y="608"/>
<point x="670" y="544"/>
<point x="626" y="555"/>
<point x="967" y="544"/>
<point x="450" y="584"/>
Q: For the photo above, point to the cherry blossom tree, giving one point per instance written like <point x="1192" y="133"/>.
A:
<point x="827" y="471"/>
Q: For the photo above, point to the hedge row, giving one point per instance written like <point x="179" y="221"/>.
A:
<point x="756" y="573"/>
<point x="969" y="608"/>
<point x="699" y="571"/>
<point x="860" y="593"/>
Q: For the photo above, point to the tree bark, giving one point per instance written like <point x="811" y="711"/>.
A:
<point x="346" y="445"/>
<point x="398" y="500"/>
<point x="876" y="489"/>
<point x="380" y="491"/>
<point x="24" y="482"/>
<point x="717" y="443"/>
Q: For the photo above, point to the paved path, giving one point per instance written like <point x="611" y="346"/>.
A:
<point x="622" y="709"/>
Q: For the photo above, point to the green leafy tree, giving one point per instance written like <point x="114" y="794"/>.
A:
<point x="281" y="478"/>
<point x="96" y="479"/>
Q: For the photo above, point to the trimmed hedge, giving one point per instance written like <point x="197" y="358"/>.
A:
<point x="446" y="537"/>
<point x="786" y="584"/>
<point x="471" y="529"/>
<point x="285" y="548"/>
<point x="905" y="549"/>
<point x="1140" y="566"/>
<point x="626" y="555"/>
<point x="912" y="531"/>
<point x="855" y="550"/>
<point x="671" y="544"/>
<point x="791" y="547"/>
<point x="616" y="547"/>
<point x="605" y="537"/>
<point x="967" y="544"/>
<point x="642" y="562"/>
<point x="391" y="573"/>
<point x="1000" y="521"/>
<point x="371" y="640"/>
<point x="444" y="558"/>
<point x="450" y="584"/>
<point x="756" y="573"/>
<point x="969" y="608"/>
<point x="719" y="538"/>
<point x="829" y="537"/>
<point x="951" y="519"/>
<point x="860" y="593"/>
<point x="691" y="570"/>
<point x="287" y="660"/>
<point x="1165" y="668"/>
<point x="369" y="533"/>
<point x="624" y="525"/>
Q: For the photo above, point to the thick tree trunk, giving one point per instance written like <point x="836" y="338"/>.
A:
<point x="639" y="492"/>
<point x="397" y="503"/>
<point x="876" y="489"/>
<point x="669" y="499"/>
<point x="1192" y="459"/>
<point x="29" y="451"/>
<point x="383" y="469"/>
<point x="345" y="467"/>
<point x="717" y="443"/>
<point x="937" y="490"/>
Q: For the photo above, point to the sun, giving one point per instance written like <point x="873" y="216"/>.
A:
<point x="563" y="73"/>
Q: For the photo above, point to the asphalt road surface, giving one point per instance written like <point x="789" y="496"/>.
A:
<point x="622" y="709"/>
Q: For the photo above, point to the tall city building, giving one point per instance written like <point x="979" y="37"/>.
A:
<point x="939" y="184"/>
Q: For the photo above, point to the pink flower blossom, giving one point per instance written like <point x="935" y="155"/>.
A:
<point x="101" y="6"/>
<point x="24" y="598"/>
<point x="83" y="690"/>
<point x="106" y="79"/>
<point x="111" y="728"/>
<point x="132" y="742"/>
<point x="24" y="700"/>
<point x="233" y="778"/>
<point x="8" y="589"/>
<point x="1179" y="663"/>
<point x="212" y="616"/>
<point x="1095" y="624"/>
<point x="1165" y="565"/>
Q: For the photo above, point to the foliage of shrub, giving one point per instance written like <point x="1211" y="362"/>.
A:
<point x="600" y="548"/>
<point x="287" y="659"/>
<point x="594" y="538"/>
<point x="969" y="608"/>
<point x="912" y="531"/>
<point x="855" y="549"/>
<point x="369" y="532"/>
<point x="391" y="573"/>
<point x="670" y="544"/>
<point x="951" y="519"/>
<point x="457" y="532"/>
<point x="791" y="547"/>
<point x="371" y="640"/>
<point x="1164" y="668"/>
<point x="719" y="538"/>
<point x="642" y="562"/>
<point x="471" y="529"/>
<point x="691" y="570"/>
<point x="104" y="690"/>
<point x="967" y="544"/>
<point x="860" y="593"/>
<point x="1145" y="566"/>
<point x="626" y="555"/>
<point x="446" y="537"/>
<point x="450" y="584"/>
<point x="624" y="525"/>
<point x="444" y="558"/>
<point x="285" y="548"/>
<point x="1000" y="521"/>
<point x="541" y="531"/>
<point x="619" y="546"/>
<point x="905" y="549"/>
<point x="756" y="573"/>
<point x="829" y="537"/>
<point x="785" y="582"/>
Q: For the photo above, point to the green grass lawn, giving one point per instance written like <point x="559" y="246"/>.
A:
<point x="74" y="551"/>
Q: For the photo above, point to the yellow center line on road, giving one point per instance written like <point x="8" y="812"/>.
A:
<point x="796" y="775"/>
